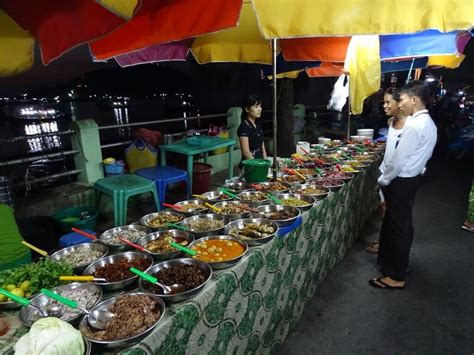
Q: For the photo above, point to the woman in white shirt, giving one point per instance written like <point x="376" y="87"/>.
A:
<point x="396" y="122"/>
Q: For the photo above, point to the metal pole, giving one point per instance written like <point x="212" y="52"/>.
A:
<point x="162" y="121"/>
<point x="409" y="72"/>
<point x="349" y="108"/>
<point x="38" y="157"/>
<point x="274" y="107"/>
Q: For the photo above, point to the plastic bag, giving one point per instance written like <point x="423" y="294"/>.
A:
<point x="140" y="155"/>
<point x="150" y="136"/>
<point x="339" y="94"/>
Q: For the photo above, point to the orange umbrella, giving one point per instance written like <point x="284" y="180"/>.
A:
<point x="159" y="22"/>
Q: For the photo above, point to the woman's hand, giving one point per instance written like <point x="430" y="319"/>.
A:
<point x="244" y="145"/>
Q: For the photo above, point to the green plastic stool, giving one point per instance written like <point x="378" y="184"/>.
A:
<point x="120" y="188"/>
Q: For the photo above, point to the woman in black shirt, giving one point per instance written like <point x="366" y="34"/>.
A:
<point x="250" y="131"/>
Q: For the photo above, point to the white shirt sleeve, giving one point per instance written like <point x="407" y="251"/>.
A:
<point x="406" y="147"/>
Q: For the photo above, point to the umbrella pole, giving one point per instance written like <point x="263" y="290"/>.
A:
<point x="348" y="108"/>
<point x="409" y="72"/>
<point x="274" y="108"/>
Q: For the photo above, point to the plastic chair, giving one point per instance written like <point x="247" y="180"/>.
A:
<point x="120" y="188"/>
<point x="163" y="176"/>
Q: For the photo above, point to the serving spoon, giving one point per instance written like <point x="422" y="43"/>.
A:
<point x="98" y="318"/>
<point x="25" y="302"/>
<point x="168" y="290"/>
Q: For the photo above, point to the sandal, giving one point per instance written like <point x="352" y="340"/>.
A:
<point x="373" y="247"/>
<point x="378" y="283"/>
<point x="466" y="228"/>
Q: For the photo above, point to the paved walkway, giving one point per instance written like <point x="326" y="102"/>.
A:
<point x="433" y="315"/>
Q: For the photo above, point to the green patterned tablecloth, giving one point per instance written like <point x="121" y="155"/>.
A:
<point x="251" y="307"/>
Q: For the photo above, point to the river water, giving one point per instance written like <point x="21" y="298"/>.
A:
<point x="137" y="110"/>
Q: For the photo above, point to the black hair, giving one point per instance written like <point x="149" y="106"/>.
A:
<point x="393" y="92"/>
<point x="419" y="89"/>
<point x="249" y="101"/>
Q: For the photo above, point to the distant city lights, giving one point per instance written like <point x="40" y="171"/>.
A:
<point x="30" y="111"/>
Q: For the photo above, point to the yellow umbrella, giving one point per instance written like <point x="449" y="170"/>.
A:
<point x="241" y="44"/>
<point x="309" y="18"/>
<point x="447" y="61"/>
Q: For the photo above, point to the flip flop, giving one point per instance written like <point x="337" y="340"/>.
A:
<point x="378" y="283"/>
<point x="373" y="247"/>
<point x="466" y="228"/>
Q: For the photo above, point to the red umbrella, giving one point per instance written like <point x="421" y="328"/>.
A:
<point x="160" y="22"/>
<point x="61" y="25"/>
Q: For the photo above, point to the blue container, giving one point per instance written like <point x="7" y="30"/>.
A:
<point x="74" y="238"/>
<point x="114" y="169"/>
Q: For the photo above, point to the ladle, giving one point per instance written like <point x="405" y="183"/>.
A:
<point x="24" y="302"/>
<point x="97" y="318"/>
<point x="173" y="289"/>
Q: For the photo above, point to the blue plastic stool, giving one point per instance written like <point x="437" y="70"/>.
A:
<point x="120" y="188"/>
<point x="163" y="176"/>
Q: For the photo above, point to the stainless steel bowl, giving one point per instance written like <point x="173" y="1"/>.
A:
<point x="204" y="217"/>
<point x="268" y="209"/>
<point x="147" y="219"/>
<point x="332" y="187"/>
<point x="11" y="305"/>
<point x="244" y="197"/>
<point x="299" y="189"/>
<point x="354" y="172"/>
<point x="103" y="249"/>
<point x="105" y="237"/>
<point x="111" y="259"/>
<point x="238" y="187"/>
<point x="292" y="183"/>
<point x="309" y="199"/>
<point x="157" y="235"/>
<point x="240" y="224"/>
<point x="267" y="187"/>
<point x="228" y="263"/>
<point x="28" y="314"/>
<point x="200" y="207"/>
<point x="232" y="217"/>
<point x="182" y="296"/>
<point x="122" y="343"/>
<point x="216" y="196"/>
<point x="356" y="164"/>
<point x="347" y="177"/>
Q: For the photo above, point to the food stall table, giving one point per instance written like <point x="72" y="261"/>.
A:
<point x="252" y="306"/>
<point x="204" y="145"/>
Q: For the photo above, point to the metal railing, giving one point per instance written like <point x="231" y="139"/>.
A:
<point x="20" y="161"/>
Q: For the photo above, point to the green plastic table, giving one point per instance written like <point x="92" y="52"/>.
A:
<point x="209" y="143"/>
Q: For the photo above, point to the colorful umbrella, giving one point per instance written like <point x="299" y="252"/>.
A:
<point x="57" y="25"/>
<point x="175" y="51"/>
<point x="309" y="18"/>
<point x="61" y="25"/>
<point x="159" y="22"/>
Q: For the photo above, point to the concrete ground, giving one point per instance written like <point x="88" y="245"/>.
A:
<point x="433" y="315"/>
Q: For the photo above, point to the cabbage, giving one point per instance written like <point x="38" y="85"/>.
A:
<point x="50" y="336"/>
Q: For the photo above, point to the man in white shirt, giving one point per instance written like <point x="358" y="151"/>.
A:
<point x="400" y="181"/>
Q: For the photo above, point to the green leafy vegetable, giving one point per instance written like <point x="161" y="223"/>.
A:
<point x="42" y="274"/>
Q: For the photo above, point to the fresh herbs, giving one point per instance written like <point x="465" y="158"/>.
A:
<point x="44" y="273"/>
